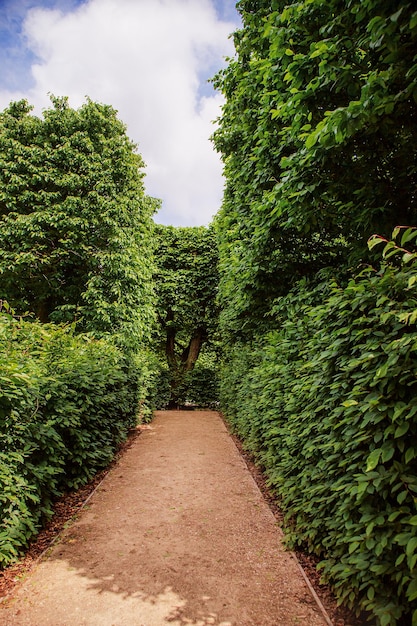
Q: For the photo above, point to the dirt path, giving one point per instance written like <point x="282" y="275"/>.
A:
<point x="178" y="533"/>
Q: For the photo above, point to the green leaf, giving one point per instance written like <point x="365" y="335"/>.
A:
<point x="408" y="235"/>
<point x="410" y="454"/>
<point x="370" y="593"/>
<point x="375" y="240"/>
<point x="348" y="403"/>
<point x="311" y="139"/>
<point x="353" y="546"/>
<point x="373" y="459"/>
<point x="395" y="16"/>
<point x="409" y="256"/>
<point x="412" y="590"/>
<point x="401" y="430"/>
<point x="402" y="497"/>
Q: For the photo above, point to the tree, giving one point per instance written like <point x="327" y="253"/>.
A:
<point x="75" y="224"/>
<point x="318" y="136"/>
<point x="186" y="287"/>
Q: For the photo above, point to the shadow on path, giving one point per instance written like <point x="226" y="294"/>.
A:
<point x="178" y="533"/>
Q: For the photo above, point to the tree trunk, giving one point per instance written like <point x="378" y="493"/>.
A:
<point x="42" y="312"/>
<point x="190" y="355"/>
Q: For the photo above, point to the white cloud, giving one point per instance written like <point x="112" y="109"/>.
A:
<point x="147" y="59"/>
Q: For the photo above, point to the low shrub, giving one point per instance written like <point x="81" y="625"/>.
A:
<point x="66" y="402"/>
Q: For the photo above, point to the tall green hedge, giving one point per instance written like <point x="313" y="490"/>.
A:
<point x="328" y="404"/>
<point x="66" y="402"/>
<point x="318" y="137"/>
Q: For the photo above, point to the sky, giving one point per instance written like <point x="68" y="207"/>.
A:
<point x="149" y="59"/>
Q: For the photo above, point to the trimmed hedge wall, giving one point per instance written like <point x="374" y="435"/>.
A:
<point x="328" y="406"/>
<point x="66" y="402"/>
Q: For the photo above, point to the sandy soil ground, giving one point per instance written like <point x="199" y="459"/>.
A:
<point x="178" y="533"/>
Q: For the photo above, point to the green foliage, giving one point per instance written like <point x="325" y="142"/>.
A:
<point x="318" y="136"/>
<point x="200" y="386"/>
<point x="327" y="403"/>
<point x="66" y="402"/>
<point x="186" y="282"/>
<point x="75" y="224"/>
<point x="75" y="243"/>
<point x="157" y="384"/>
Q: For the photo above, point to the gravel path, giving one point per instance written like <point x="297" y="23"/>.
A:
<point x="178" y="533"/>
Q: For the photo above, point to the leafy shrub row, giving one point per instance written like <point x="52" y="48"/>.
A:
<point x="66" y="402"/>
<point x="328" y="406"/>
<point x="198" y="387"/>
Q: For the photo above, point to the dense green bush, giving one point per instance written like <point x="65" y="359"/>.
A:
<point x="201" y="385"/>
<point x="318" y="137"/>
<point x="318" y="141"/>
<point x="328" y="406"/>
<point x="66" y="402"/>
<point x="198" y="388"/>
<point x="75" y="222"/>
<point x="158" y="387"/>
